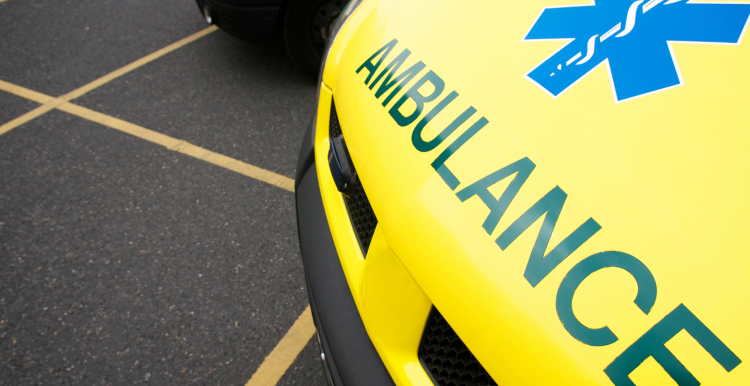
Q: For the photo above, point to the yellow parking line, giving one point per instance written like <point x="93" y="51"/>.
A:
<point x="51" y="102"/>
<point x="170" y="143"/>
<point x="43" y="109"/>
<point x="181" y="146"/>
<point x="24" y="92"/>
<point x="138" y="63"/>
<point x="48" y="103"/>
<point x="286" y="351"/>
<point x="236" y="166"/>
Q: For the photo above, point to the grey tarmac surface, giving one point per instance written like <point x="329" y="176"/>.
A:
<point x="240" y="99"/>
<point x="124" y="262"/>
<point x="55" y="46"/>
<point x="13" y="106"/>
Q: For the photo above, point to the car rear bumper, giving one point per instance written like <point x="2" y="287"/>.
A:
<point x="250" y="22"/>
<point x="350" y="356"/>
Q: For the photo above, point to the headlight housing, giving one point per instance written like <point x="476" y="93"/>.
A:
<point x="345" y="14"/>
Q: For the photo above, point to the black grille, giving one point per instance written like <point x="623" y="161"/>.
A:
<point x="363" y="218"/>
<point x="360" y="212"/>
<point x="334" y="128"/>
<point x="447" y="359"/>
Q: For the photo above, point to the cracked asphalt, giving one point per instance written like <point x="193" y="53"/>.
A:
<point x="123" y="262"/>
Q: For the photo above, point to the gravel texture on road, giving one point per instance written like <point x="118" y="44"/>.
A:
<point x="124" y="262"/>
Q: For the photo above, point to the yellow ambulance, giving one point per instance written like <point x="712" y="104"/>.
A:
<point x="538" y="192"/>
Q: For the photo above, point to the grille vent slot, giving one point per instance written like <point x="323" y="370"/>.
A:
<point x="334" y="129"/>
<point x="363" y="218"/>
<point x="360" y="211"/>
<point x="447" y="359"/>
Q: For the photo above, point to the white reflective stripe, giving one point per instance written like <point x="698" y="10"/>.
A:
<point x="630" y="22"/>
<point x="610" y="32"/>
<point x="651" y="4"/>
<point x="573" y="59"/>
<point x="589" y="50"/>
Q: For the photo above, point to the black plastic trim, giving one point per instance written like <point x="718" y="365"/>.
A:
<point x="350" y="354"/>
<point x="251" y="22"/>
<point x="446" y="359"/>
<point x="250" y="3"/>
<point x="306" y="153"/>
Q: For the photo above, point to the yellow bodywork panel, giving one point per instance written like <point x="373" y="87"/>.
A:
<point x="644" y="199"/>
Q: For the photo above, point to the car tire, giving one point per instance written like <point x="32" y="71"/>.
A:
<point x="306" y="27"/>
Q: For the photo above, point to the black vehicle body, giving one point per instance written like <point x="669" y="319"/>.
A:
<point x="303" y="25"/>
<point x="255" y="20"/>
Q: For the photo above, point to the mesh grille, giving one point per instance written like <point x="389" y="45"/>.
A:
<point x="447" y="358"/>
<point x="363" y="218"/>
<point x="334" y="128"/>
<point x="360" y="212"/>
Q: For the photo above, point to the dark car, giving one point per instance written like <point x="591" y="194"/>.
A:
<point x="304" y="25"/>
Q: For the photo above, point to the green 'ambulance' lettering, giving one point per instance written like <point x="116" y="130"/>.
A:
<point x="396" y="82"/>
<point x="522" y="170"/>
<point x="549" y="206"/>
<point x="439" y="163"/>
<point x="418" y="99"/>
<point x="416" y="135"/>
<point x="644" y="300"/>
<point x="399" y="80"/>
<point x="371" y="68"/>
<point x="651" y="344"/>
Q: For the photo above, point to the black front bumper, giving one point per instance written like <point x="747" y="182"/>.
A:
<point x="349" y="353"/>
<point x="250" y="20"/>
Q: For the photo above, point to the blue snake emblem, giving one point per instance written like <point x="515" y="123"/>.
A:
<point x="633" y="38"/>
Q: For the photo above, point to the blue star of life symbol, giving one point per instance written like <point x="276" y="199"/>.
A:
<point x="634" y="39"/>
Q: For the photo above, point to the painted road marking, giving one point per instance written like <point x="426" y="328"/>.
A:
<point x="275" y="365"/>
<point x="183" y="147"/>
<point x="170" y="143"/>
<point x="25" y="118"/>
<point x="51" y="103"/>
<point x="24" y="92"/>
<point x="138" y="63"/>
<point x="285" y="352"/>
<point x="48" y="103"/>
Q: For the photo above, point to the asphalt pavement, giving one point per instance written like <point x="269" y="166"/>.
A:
<point x="123" y="262"/>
